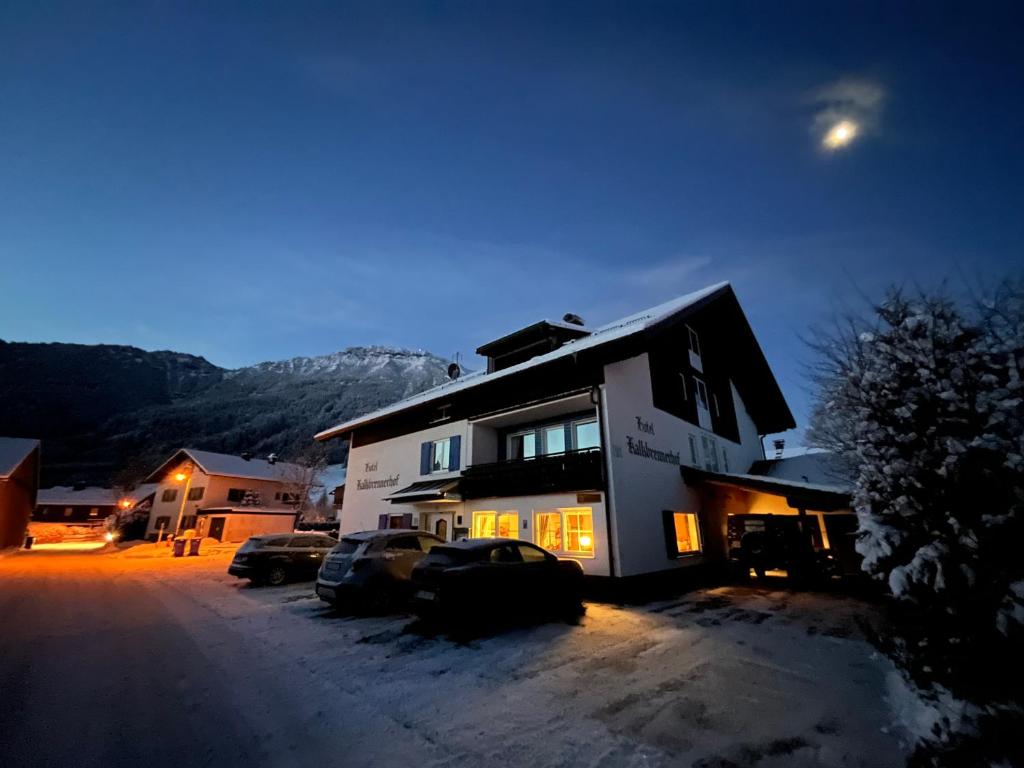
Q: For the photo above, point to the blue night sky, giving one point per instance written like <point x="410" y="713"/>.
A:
<point x="262" y="181"/>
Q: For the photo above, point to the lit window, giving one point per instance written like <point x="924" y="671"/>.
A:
<point x="549" y="530"/>
<point x="484" y="525"/>
<point x="508" y="525"/>
<point x="587" y="435"/>
<point x="684" y="534"/>
<point x="579" y="530"/>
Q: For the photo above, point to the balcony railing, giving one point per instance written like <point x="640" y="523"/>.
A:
<point x="572" y="471"/>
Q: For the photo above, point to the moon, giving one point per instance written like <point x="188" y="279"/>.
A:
<point x="841" y="134"/>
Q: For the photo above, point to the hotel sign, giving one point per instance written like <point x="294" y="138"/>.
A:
<point x="391" y="481"/>
<point x="639" y="446"/>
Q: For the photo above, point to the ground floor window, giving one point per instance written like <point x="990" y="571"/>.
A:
<point x="487" y="525"/>
<point x="569" y="530"/>
<point x="681" y="533"/>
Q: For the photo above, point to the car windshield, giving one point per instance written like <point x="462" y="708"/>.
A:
<point x="346" y="547"/>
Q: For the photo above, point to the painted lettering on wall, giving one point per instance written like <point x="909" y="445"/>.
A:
<point x="642" y="449"/>
<point x="371" y="466"/>
<point x="366" y="485"/>
<point x="644" y="426"/>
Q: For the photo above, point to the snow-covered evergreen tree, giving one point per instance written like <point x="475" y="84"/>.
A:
<point x="928" y="404"/>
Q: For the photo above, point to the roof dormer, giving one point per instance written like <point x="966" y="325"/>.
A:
<point x="531" y="341"/>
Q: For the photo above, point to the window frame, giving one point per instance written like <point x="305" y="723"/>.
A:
<point x="192" y="494"/>
<point x="565" y="532"/>
<point x="240" y="492"/>
<point x="693" y="341"/>
<point x="694" y="533"/>
<point x="575" y="424"/>
<point x="169" y="495"/>
<point x="446" y="442"/>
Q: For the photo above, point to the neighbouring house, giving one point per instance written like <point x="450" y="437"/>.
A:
<point x="234" y="524"/>
<point x="75" y="505"/>
<point x="192" y="481"/>
<point x="608" y="445"/>
<point x="19" y="485"/>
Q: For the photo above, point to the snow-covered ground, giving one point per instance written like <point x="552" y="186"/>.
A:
<point x="718" y="677"/>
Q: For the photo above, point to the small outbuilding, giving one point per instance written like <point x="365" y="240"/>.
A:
<point x="232" y="524"/>
<point x="19" y="486"/>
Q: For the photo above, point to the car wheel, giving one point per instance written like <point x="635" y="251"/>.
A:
<point x="276" y="575"/>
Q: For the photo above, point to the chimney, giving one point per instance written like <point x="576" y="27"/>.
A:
<point x="780" y="446"/>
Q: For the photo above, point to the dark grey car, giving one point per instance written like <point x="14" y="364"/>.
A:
<point x="371" y="570"/>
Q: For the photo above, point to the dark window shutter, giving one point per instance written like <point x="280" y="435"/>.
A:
<point x="382" y="522"/>
<point x="670" y="533"/>
<point x="454" y="452"/>
<point x="407" y="520"/>
<point x="425" y="458"/>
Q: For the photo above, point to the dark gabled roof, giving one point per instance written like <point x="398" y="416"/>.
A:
<point x="13" y="452"/>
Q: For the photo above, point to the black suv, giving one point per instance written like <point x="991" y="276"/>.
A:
<point x="495" y="580"/>
<point x="370" y="570"/>
<point x="276" y="558"/>
<point x="765" y="542"/>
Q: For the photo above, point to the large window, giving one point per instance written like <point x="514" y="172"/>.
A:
<point x="487" y="525"/>
<point x="586" y="435"/>
<point x="549" y="530"/>
<point x="554" y="439"/>
<point x="681" y="533"/>
<point x="440" y="455"/>
<point x="569" y="530"/>
<point x="235" y="495"/>
<point x="703" y="403"/>
<point x="169" y="494"/>
<point x="195" y="494"/>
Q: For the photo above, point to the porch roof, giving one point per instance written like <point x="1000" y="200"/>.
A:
<point x="427" y="490"/>
<point x="799" y="495"/>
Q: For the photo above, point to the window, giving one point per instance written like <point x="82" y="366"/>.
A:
<point x="303" y="542"/>
<point x="548" y="526"/>
<point x="505" y="554"/>
<point x="710" y="453"/>
<point x="236" y="494"/>
<point x="188" y="522"/>
<point x="703" y="407"/>
<point x="427" y="543"/>
<point x="554" y="439"/>
<point x="531" y="554"/>
<point x="94" y="511"/>
<point x="68" y="511"/>
<point x="681" y="533"/>
<point x="586" y="435"/>
<point x="579" y="530"/>
<point x="162" y="522"/>
<point x="169" y="494"/>
<point x="694" y="341"/>
<point x="290" y="498"/>
<point x="522" y="445"/>
<point x="483" y="525"/>
<point x="487" y="525"/>
<point x="405" y="542"/>
<point x="440" y="455"/>
<point x="682" y="381"/>
<point x="694" y="454"/>
<point x="195" y="494"/>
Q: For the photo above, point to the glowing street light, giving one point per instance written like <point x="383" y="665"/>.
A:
<point x="841" y="134"/>
<point x="180" y="477"/>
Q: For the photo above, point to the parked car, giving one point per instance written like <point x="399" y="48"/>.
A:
<point x="495" y="580"/>
<point x="276" y="558"/>
<point x="371" y="570"/>
<point x="765" y="542"/>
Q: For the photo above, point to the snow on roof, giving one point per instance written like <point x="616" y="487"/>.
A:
<point x="618" y="329"/>
<point x="226" y="465"/>
<point x="13" y="451"/>
<point x="823" y="468"/>
<point x="795" y="484"/>
<point x="67" y="496"/>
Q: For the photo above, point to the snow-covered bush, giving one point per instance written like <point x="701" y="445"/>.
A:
<point x="928" y="404"/>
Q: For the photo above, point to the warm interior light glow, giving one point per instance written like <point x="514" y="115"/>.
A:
<point x="108" y="536"/>
<point x="125" y="503"/>
<point x="586" y="541"/>
<point x="841" y="134"/>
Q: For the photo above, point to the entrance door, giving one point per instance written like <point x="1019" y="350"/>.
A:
<point x="217" y="528"/>
<point x="441" y="528"/>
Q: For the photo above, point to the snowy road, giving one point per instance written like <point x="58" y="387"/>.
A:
<point x="108" y="661"/>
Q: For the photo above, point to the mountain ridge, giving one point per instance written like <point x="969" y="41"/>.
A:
<point x="107" y="412"/>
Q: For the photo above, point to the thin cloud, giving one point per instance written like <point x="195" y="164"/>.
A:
<point x="668" y="274"/>
<point x="859" y="102"/>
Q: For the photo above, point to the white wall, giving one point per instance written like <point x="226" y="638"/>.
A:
<point x="396" y="461"/>
<point x="642" y="486"/>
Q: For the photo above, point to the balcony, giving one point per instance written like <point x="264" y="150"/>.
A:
<point x="573" y="471"/>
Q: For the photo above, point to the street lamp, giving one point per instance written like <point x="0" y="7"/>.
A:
<point x="184" y="474"/>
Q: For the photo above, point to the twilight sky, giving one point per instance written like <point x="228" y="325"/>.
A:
<point x="251" y="182"/>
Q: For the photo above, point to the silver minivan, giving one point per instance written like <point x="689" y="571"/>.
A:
<point x="371" y="570"/>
